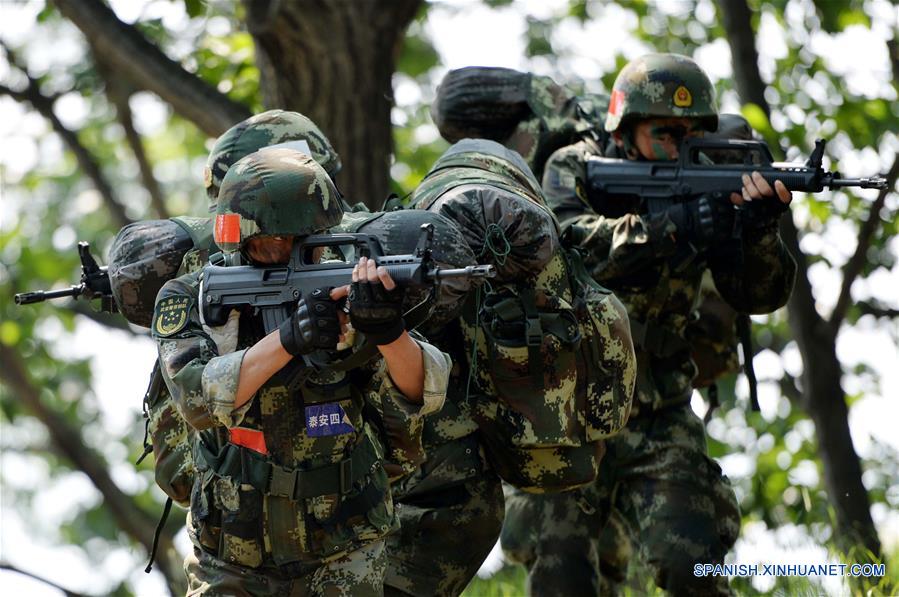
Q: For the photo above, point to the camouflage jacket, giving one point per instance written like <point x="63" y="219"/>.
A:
<point x="631" y="253"/>
<point x="320" y="426"/>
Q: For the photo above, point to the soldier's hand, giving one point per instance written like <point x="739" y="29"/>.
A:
<point x="762" y="204"/>
<point x="313" y="325"/>
<point x="756" y="187"/>
<point x="376" y="303"/>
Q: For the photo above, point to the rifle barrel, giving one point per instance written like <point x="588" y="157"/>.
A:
<point x="38" y="296"/>
<point x="471" y="271"/>
<point x="875" y="182"/>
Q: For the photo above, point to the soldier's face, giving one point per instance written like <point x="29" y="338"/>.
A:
<point x="270" y="250"/>
<point x="660" y="138"/>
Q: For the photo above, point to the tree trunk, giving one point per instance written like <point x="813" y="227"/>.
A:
<point x="823" y="396"/>
<point x="333" y="60"/>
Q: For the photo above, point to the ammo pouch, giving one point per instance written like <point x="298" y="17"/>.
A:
<point x="554" y="366"/>
<point x="249" y="467"/>
<point x="249" y="511"/>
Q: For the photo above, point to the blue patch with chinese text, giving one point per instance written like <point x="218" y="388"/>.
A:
<point x="327" y="419"/>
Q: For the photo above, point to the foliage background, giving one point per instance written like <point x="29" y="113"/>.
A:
<point x="831" y="70"/>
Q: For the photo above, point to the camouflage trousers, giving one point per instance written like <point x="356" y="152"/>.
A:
<point x="451" y="513"/>
<point x="671" y="499"/>
<point x="358" y="573"/>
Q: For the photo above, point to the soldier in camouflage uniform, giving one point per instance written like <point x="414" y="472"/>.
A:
<point x="291" y="495"/>
<point x="146" y="254"/>
<point x="678" y="506"/>
<point x="452" y="508"/>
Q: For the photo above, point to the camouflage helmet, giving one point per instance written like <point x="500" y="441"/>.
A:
<point x="268" y="129"/>
<point x="274" y="192"/>
<point x="662" y="86"/>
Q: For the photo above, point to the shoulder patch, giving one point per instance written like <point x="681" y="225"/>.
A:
<point x="171" y="315"/>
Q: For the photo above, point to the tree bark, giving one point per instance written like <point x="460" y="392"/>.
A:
<point x="333" y="60"/>
<point x="129" y="53"/>
<point x="67" y="442"/>
<point x="823" y="396"/>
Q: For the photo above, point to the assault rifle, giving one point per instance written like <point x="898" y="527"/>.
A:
<point x="275" y="289"/>
<point x="694" y="174"/>
<point x="94" y="284"/>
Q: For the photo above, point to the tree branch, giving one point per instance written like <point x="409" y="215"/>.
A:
<point x="735" y="14"/>
<point x="11" y="568"/>
<point x="877" y="310"/>
<point x="129" y="53"/>
<point x="66" y="441"/>
<point x="119" y="91"/>
<point x="822" y="394"/>
<point x="856" y="263"/>
<point x="44" y="105"/>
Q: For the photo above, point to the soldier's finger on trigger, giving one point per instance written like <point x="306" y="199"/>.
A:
<point x="736" y="198"/>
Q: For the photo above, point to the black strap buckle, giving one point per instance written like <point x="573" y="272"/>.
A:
<point x="282" y="482"/>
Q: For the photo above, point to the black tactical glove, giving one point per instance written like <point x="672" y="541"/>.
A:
<point x="760" y="214"/>
<point x="314" y="324"/>
<point x="703" y="221"/>
<point x="376" y="311"/>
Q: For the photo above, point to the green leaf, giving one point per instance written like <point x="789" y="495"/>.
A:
<point x="195" y="8"/>
<point x="418" y="56"/>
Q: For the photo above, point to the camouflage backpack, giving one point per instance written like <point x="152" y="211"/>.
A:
<point x="551" y="361"/>
<point x="144" y="256"/>
<point x="528" y="113"/>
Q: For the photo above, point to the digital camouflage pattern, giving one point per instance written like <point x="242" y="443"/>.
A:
<point x="545" y="434"/>
<point x="275" y="192"/>
<point x="227" y="515"/>
<point x="359" y="573"/>
<point x="451" y="513"/>
<point x="145" y="255"/>
<point x="660" y="86"/>
<point x="528" y="113"/>
<point x="398" y="233"/>
<point x="653" y="484"/>
<point x="337" y="498"/>
<point x="676" y="504"/>
<point x="712" y="336"/>
<point x="265" y="130"/>
<point x="543" y="410"/>
<point x="490" y="194"/>
<point x="558" y="118"/>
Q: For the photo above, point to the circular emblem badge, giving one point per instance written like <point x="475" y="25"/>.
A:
<point x="682" y="97"/>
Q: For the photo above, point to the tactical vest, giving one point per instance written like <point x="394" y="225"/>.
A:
<point x="550" y="359"/>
